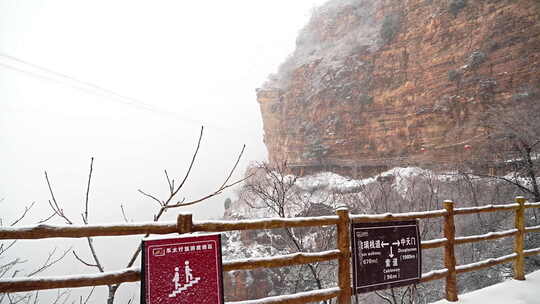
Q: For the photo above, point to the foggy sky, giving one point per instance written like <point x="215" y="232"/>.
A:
<point x="182" y="65"/>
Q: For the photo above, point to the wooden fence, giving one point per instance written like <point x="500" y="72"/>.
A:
<point x="342" y="253"/>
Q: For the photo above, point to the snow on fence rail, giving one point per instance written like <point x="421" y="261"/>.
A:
<point x="70" y="281"/>
<point x="487" y="208"/>
<point x="531" y="252"/>
<point x="282" y="260"/>
<point x="436" y="243"/>
<point x="342" y="220"/>
<point x="302" y="297"/>
<point x="434" y="275"/>
<point x="397" y="216"/>
<point x="532" y="229"/>
<point x="77" y="231"/>
<point x="270" y="223"/>
<point x="532" y="205"/>
<point x="486" y="263"/>
<point x="485" y="237"/>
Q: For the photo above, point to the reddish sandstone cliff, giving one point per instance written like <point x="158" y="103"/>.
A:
<point x="374" y="81"/>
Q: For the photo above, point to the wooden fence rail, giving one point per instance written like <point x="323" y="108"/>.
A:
<point x="342" y="253"/>
<point x="77" y="231"/>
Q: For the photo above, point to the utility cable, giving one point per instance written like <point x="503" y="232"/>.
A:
<point x="89" y="87"/>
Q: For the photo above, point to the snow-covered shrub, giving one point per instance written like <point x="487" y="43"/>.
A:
<point x="476" y="59"/>
<point x="390" y="27"/>
<point x="456" y="6"/>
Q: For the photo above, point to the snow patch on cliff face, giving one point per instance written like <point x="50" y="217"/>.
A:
<point x="329" y="181"/>
<point x="333" y="182"/>
<point x="321" y="188"/>
<point x="336" y="30"/>
<point x="404" y="176"/>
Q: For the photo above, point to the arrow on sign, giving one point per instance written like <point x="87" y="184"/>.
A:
<point x="384" y="244"/>
<point x="391" y="255"/>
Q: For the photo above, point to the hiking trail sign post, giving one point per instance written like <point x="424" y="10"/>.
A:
<point x="182" y="270"/>
<point x="385" y="255"/>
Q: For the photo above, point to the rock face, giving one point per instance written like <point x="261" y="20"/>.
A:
<point x="374" y="82"/>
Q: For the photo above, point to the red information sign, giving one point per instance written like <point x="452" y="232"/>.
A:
<point x="182" y="270"/>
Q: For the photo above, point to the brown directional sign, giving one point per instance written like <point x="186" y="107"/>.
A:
<point x="385" y="254"/>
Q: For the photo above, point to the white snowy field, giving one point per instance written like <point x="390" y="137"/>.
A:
<point x="509" y="292"/>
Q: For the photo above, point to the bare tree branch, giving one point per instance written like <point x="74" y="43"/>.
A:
<point x="4" y="269"/>
<point x="54" y="205"/>
<point x="124" y="213"/>
<point x="49" y="261"/>
<point x="85" y="217"/>
<point x="380" y="295"/>
<point x="523" y="188"/>
<point x="94" y="254"/>
<point x="151" y="196"/>
<point x="26" y="210"/>
<point x="83" y="261"/>
<point x="57" y="210"/>
<point x="219" y="190"/>
<point x="134" y="256"/>
<point x="60" y="295"/>
<point x="47" y="218"/>
<point x="36" y="297"/>
<point x="89" y="295"/>
<point x="4" y="249"/>
<point x="173" y="191"/>
<point x="234" y="167"/>
<point x="190" y="165"/>
<point x="171" y="183"/>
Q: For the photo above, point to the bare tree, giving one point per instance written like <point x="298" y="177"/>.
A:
<point x="272" y="188"/>
<point x="513" y="143"/>
<point x="9" y="268"/>
<point x="513" y="147"/>
<point x="170" y="201"/>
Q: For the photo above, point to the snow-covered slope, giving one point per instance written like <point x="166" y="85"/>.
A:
<point x="509" y="292"/>
<point x="317" y="188"/>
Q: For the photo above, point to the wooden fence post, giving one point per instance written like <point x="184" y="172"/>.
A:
<point x="344" y="246"/>
<point x="184" y="223"/>
<point x="449" y="255"/>
<point x="519" y="241"/>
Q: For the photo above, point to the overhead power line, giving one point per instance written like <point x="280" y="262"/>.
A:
<point x="87" y="87"/>
<point x="95" y="89"/>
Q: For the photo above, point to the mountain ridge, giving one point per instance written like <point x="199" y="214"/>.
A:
<point x="372" y="81"/>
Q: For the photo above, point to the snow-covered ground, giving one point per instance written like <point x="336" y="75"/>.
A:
<point x="509" y="292"/>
